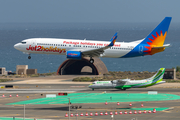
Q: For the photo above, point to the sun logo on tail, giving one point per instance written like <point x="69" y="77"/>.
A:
<point x="155" y="42"/>
<point x="114" y="39"/>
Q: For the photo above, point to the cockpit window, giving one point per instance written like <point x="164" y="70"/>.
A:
<point x="23" y="42"/>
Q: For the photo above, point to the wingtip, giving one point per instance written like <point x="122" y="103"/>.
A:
<point x="168" y="17"/>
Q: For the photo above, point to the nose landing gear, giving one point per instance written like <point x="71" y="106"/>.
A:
<point x="29" y="57"/>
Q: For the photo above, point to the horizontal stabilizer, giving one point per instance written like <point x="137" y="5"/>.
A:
<point x="167" y="45"/>
<point x="164" y="46"/>
<point x="160" y="82"/>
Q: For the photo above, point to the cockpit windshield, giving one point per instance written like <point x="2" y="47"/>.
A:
<point x="23" y="42"/>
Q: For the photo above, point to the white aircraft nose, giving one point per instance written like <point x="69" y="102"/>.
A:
<point x="90" y="86"/>
<point x="16" y="46"/>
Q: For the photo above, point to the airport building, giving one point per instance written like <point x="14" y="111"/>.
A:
<point x="82" y="67"/>
<point x="3" y="71"/>
<point x="170" y="74"/>
<point x="23" y="70"/>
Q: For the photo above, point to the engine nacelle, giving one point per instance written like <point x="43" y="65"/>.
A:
<point x="73" y="55"/>
<point x="114" y="81"/>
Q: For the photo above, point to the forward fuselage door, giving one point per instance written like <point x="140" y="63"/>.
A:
<point x="27" y="46"/>
<point x="33" y="42"/>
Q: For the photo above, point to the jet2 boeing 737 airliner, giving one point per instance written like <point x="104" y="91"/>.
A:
<point x="77" y="49"/>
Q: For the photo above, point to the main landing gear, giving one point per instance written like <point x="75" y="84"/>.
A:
<point x="91" y="60"/>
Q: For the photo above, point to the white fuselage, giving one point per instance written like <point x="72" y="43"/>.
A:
<point x="77" y="49"/>
<point x="60" y="46"/>
<point x="114" y="83"/>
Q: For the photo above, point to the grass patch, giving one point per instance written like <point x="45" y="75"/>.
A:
<point x="82" y="79"/>
<point x="34" y="75"/>
<point x="87" y="79"/>
<point x="172" y="81"/>
<point x="5" y="80"/>
<point x="48" y="74"/>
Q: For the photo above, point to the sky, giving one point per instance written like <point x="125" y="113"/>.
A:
<point x="87" y="11"/>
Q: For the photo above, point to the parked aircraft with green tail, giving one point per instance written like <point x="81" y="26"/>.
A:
<point x="124" y="84"/>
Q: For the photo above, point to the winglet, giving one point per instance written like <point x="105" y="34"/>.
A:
<point x="113" y="39"/>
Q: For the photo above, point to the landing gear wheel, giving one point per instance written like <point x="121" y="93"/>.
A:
<point x="123" y="89"/>
<point x="29" y="57"/>
<point x="91" y="61"/>
<point x="92" y="89"/>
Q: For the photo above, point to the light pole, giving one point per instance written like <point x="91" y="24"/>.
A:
<point x="24" y="112"/>
<point x="69" y="109"/>
<point x="76" y="107"/>
<point x="76" y="112"/>
<point x="112" y="117"/>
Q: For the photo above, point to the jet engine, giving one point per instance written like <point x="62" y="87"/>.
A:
<point x="74" y="55"/>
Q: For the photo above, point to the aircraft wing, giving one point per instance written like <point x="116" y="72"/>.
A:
<point x="98" y="51"/>
<point x="122" y="81"/>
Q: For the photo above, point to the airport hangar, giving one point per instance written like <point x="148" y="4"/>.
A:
<point x="82" y="67"/>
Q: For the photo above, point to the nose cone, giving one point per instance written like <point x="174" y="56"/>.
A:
<point x="90" y="86"/>
<point x="16" y="46"/>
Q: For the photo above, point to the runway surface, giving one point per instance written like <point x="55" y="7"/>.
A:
<point x="58" y="111"/>
<point x="50" y="88"/>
